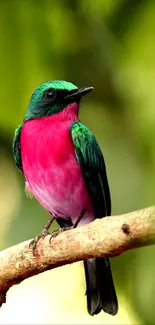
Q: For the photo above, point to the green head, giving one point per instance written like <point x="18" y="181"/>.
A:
<point x="53" y="97"/>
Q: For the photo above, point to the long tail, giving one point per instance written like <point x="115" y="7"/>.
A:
<point x="100" y="288"/>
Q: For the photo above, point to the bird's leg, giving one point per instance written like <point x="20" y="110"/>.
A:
<point x="56" y="232"/>
<point x="42" y="235"/>
<point x="79" y="219"/>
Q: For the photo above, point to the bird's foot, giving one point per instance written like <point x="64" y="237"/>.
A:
<point x="55" y="233"/>
<point x="58" y="231"/>
<point x="42" y="235"/>
<point x="34" y="242"/>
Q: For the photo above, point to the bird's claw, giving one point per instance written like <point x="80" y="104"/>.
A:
<point x="34" y="242"/>
<point x="55" y="233"/>
<point x="45" y="233"/>
<point x="58" y="231"/>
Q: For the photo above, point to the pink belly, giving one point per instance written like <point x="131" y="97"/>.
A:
<point x="52" y="171"/>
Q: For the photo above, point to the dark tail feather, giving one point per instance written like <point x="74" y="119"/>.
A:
<point x="100" y="287"/>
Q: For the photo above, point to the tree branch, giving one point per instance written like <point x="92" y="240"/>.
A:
<point x="105" y="237"/>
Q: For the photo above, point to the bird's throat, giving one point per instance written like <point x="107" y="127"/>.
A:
<point x="70" y="112"/>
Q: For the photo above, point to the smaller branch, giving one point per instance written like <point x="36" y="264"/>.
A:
<point x="105" y="237"/>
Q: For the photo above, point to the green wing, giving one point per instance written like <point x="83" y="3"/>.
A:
<point x="16" y="148"/>
<point x="93" y="168"/>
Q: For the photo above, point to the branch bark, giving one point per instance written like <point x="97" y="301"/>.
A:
<point x="107" y="237"/>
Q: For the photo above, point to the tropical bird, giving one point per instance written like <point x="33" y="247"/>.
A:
<point x="65" y="170"/>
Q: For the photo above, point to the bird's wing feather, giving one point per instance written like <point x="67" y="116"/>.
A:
<point x="99" y="283"/>
<point x="93" y="168"/>
<point x="17" y="149"/>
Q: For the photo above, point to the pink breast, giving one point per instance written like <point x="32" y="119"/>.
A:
<point x="51" y="168"/>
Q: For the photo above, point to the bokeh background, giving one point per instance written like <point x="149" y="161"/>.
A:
<point x="108" y="44"/>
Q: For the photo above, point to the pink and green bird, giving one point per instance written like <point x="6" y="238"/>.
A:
<point x="64" y="169"/>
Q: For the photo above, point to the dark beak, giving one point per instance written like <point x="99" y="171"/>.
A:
<point x="78" y="93"/>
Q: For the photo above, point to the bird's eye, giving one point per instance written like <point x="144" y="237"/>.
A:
<point x="50" y="94"/>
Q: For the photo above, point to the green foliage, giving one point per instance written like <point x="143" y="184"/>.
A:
<point x="109" y="45"/>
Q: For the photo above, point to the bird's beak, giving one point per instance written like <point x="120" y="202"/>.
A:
<point x="78" y="93"/>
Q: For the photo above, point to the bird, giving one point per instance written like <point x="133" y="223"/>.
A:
<point x="64" y="169"/>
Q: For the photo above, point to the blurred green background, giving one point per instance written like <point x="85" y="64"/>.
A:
<point x="108" y="44"/>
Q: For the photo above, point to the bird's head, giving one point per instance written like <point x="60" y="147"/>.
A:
<point x="53" y="97"/>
